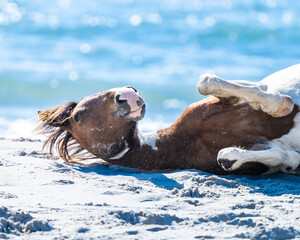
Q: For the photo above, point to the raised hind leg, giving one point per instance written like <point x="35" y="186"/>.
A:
<point x="275" y="158"/>
<point x="256" y="94"/>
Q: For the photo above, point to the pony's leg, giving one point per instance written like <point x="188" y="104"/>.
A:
<point x="286" y="160"/>
<point x="256" y="94"/>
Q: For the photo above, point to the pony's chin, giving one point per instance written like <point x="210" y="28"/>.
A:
<point x="136" y="115"/>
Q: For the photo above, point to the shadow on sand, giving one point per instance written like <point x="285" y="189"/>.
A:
<point x="272" y="185"/>
<point x="157" y="178"/>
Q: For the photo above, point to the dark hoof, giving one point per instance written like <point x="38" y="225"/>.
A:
<point x="295" y="172"/>
<point x="226" y="164"/>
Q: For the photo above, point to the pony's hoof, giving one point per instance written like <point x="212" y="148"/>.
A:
<point x="208" y="84"/>
<point x="285" y="108"/>
<point x="296" y="171"/>
<point x="226" y="164"/>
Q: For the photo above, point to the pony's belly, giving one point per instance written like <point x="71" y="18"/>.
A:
<point x="290" y="141"/>
<point x="287" y="81"/>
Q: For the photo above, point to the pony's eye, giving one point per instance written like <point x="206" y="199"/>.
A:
<point x="78" y="116"/>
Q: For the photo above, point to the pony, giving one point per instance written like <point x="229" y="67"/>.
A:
<point x="244" y="128"/>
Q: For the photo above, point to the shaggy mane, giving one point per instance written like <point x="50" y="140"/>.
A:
<point x="57" y="138"/>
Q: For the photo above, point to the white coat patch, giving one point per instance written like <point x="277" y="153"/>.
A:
<point x="122" y="153"/>
<point x="148" y="139"/>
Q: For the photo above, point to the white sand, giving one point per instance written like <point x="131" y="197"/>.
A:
<point x="43" y="199"/>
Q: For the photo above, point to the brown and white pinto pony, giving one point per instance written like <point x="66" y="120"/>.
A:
<point x="244" y="128"/>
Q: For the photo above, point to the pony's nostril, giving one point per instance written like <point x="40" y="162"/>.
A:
<point x="118" y="101"/>
<point x="140" y="103"/>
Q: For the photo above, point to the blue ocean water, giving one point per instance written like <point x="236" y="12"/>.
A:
<point x="60" y="50"/>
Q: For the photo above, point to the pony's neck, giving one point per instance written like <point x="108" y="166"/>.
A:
<point x="140" y="151"/>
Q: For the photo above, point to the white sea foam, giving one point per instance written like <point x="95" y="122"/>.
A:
<point x="16" y="128"/>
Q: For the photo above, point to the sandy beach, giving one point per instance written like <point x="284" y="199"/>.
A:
<point x="45" y="199"/>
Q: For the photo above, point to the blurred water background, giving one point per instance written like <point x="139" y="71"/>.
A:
<point x="59" y="50"/>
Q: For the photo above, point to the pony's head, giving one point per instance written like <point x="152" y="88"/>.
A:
<point x="102" y="124"/>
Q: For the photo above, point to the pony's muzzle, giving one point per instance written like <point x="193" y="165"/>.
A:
<point x="129" y="97"/>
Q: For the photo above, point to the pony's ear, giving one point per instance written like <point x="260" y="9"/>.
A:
<point x="57" y="116"/>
